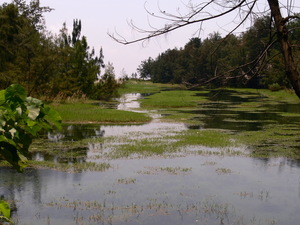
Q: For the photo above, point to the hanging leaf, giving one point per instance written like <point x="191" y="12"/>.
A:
<point x="4" y="209"/>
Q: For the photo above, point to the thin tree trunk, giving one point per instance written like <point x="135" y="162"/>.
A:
<point x="282" y="35"/>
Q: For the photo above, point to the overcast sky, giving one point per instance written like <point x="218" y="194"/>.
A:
<point x="101" y="16"/>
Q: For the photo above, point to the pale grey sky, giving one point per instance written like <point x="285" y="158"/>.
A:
<point x="101" y="16"/>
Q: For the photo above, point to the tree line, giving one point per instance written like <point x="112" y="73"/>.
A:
<point x="49" y="64"/>
<point x="235" y="61"/>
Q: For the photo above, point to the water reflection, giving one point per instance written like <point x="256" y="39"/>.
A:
<point x="129" y="102"/>
<point x="222" y="113"/>
<point x="252" y="193"/>
<point x="206" y="190"/>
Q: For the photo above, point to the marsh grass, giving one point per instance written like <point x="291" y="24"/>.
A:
<point x="166" y="170"/>
<point x="209" y="138"/>
<point x="173" y="99"/>
<point x="143" y="148"/>
<point x="178" y="105"/>
<point x="206" y="211"/>
<point x="145" y="87"/>
<point x="180" y="115"/>
<point x="204" y="142"/>
<point x="126" y="181"/>
<point x="221" y="171"/>
<point x="273" y="141"/>
<point x="88" y="113"/>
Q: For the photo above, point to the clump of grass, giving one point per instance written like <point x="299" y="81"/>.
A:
<point x="273" y="141"/>
<point x="168" y="170"/>
<point x="144" y="87"/>
<point x="209" y="138"/>
<point x="180" y="115"/>
<point x="173" y="99"/>
<point x="126" y="181"/>
<point x="216" y="142"/>
<point x="88" y="113"/>
<point x="141" y="148"/>
<point x="223" y="171"/>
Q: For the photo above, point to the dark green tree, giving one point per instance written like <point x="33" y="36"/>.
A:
<point x="200" y="12"/>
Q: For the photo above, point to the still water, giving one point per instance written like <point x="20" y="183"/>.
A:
<point x="175" y="190"/>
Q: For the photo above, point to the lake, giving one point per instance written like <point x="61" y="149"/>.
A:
<point x="181" y="187"/>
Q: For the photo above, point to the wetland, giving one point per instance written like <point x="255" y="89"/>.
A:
<point x="226" y="156"/>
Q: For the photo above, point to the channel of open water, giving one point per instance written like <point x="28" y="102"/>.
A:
<point x="156" y="190"/>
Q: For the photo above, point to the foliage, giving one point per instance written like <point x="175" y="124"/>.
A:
<point x="21" y="119"/>
<point x="4" y="211"/>
<point x="46" y="65"/>
<point x="107" y="86"/>
<point x="229" y="61"/>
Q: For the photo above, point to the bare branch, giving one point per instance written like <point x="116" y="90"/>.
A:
<point x="175" y="22"/>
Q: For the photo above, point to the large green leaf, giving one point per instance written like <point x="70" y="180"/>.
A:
<point x="53" y="117"/>
<point x="15" y="93"/>
<point x="2" y="97"/>
<point x="10" y="154"/>
<point x="4" y="209"/>
<point x="21" y="119"/>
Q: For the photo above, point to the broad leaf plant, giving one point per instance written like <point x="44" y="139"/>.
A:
<point x="21" y="119"/>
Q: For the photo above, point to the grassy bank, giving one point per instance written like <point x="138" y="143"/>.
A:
<point x="221" y="122"/>
<point x="173" y="99"/>
<point x="88" y="113"/>
<point x="145" y="87"/>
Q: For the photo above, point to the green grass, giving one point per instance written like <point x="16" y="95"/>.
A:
<point x="173" y="99"/>
<point x="268" y="95"/>
<point x="88" y="113"/>
<point x="272" y="141"/>
<point x="205" y="142"/>
<point x="208" y="138"/>
<point x="144" y="87"/>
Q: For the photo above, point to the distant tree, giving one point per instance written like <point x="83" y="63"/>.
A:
<point x="23" y="45"/>
<point x="46" y="65"/>
<point x="107" y="86"/>
<point x="123" y="73"/>
<point x="245" y="9"/>
<point x="133" y="76"/>
<point x="144" y="69"/>
<point x="79" y="67"/>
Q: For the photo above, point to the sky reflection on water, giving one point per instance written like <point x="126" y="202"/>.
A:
<point x="189" y="189"/>
<point x="253" y="189"/>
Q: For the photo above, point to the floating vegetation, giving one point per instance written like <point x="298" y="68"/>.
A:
<point x="168" y="170"/>
<point x="223" y="171"/>
<point x="126" y="181"/>
<point x="209" y="163"/>
<point x="215" y="161"/>
<point x="262" y="195"/>
<point x="205" y="212"/>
